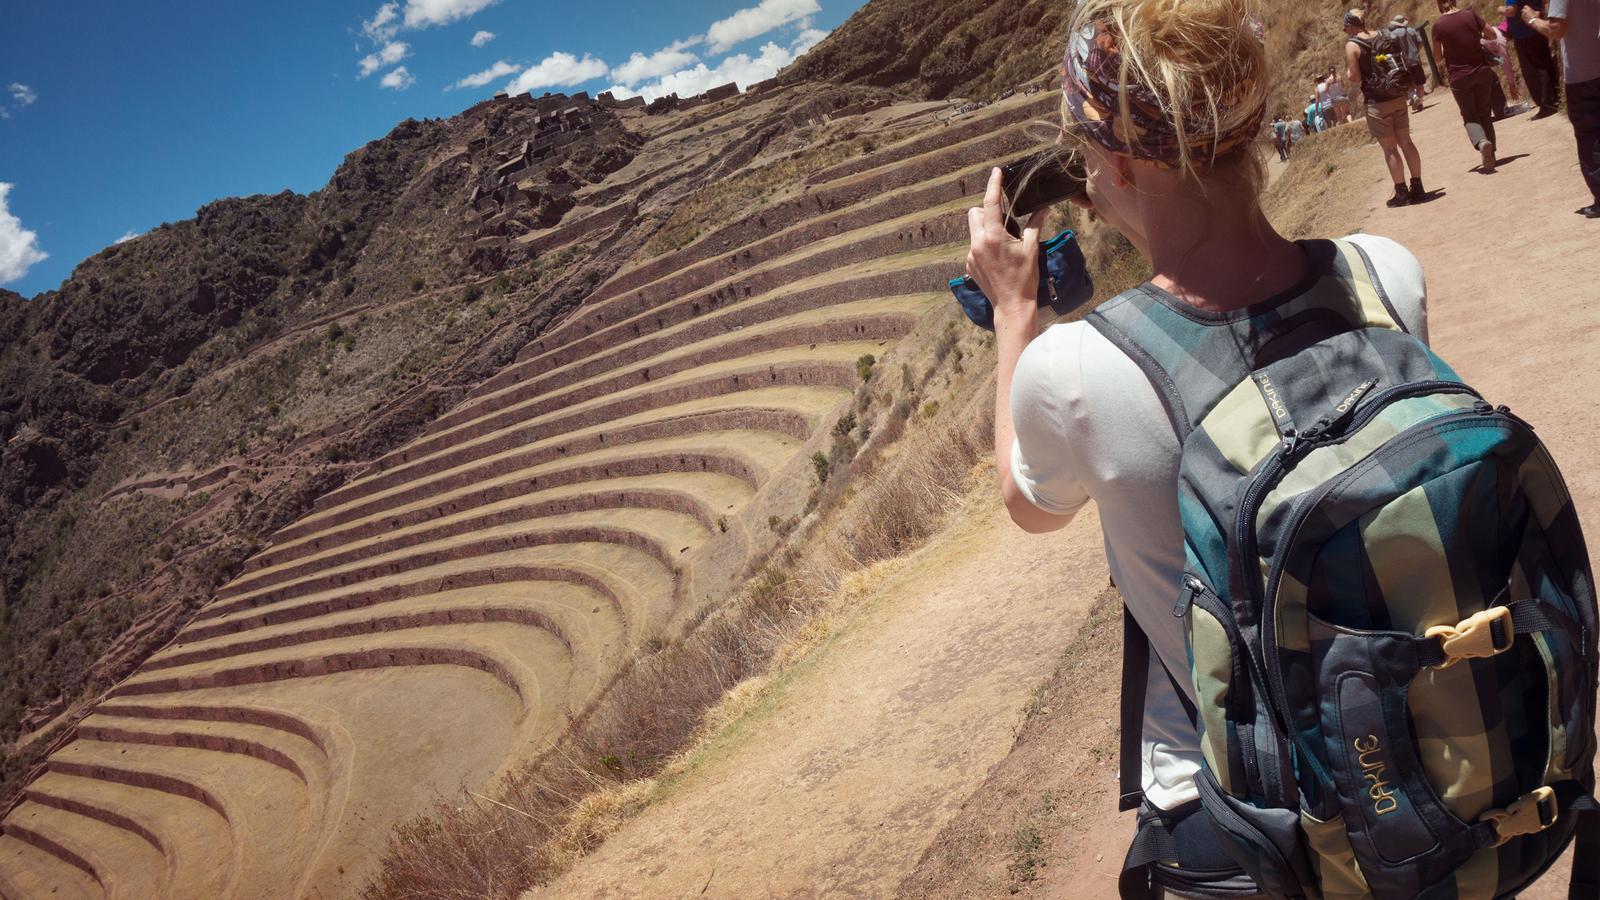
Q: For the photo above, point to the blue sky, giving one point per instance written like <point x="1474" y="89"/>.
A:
<point x="116" y="116"/>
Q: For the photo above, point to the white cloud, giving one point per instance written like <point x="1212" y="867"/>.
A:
<point x="391" y="53"/>
<point x="757" y="20"/>
<point x="398" y="79"/>
<point x="383" y="25"/>
<point x="422" y="13"/>
<point x="22" y="94"/>
<point x="806" y="39"/>
<point x="19" y="247"/>
<point x="482" y="37"/>
<point x="479" y="79"/>
<point x="662" y="62"/>
<point x="740" y="68"/>
<point x="557" y="70"/>
<point x="128" y="236"/>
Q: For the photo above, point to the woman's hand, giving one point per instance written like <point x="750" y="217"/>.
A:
<point x="1006" y="268"/>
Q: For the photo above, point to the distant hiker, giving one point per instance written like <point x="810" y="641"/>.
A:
<point x="1457" y="40"/>
<point x="1280" y="138"/>
<point x="1576" y="24"/>
<point x="1313" y="118"/>
<point x="1501" y="49"/>
<point x="1297" y="133"/>
<point x="1535" y="56"/>
<point x="1497" y="53"/>
<point x="1337" y="97"/>
<point x="1375" y="60"/>
<point x="1410" y="40"/>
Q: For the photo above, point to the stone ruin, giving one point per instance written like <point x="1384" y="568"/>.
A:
<point x="520" y="183"/>
<point x="672" y="101"/>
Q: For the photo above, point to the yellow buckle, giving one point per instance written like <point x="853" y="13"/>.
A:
<point x="1532" y="813"/>
<point x="1479" y="636"/>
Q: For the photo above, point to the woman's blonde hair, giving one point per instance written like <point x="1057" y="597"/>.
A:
<point x="1202" y="60"/>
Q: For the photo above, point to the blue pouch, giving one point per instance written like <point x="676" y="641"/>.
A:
<point x="1064" y="282"/>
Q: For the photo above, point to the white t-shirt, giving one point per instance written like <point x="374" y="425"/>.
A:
<point x="1090" y="427"/>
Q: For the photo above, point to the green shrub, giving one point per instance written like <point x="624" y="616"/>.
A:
<point x="472" y="293"/>
<point x="722" y="524"/>
<point x="819" y="465"/>
<point x="418" y="284"/>
<point x="335" y="332"/>
<point x="864" y="365"/>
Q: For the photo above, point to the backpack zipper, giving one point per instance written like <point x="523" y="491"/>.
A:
<point x="1244" y="669"/>
<point x="1276" y="692"/>
<point x="1293" y="447"/>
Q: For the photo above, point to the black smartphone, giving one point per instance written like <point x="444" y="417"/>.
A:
<point x="1039" y="180"/>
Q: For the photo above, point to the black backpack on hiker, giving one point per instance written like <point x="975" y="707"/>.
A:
<point x="1384" y="72"/>
<point x="1388" y="604"/>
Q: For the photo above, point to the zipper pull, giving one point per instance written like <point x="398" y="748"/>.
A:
<point x="1347" y="407"/>
<point x="1191" y="589"/>
<point x="1506" y="411"/>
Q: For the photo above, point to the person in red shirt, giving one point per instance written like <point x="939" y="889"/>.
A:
<point x="1457" y="39"/>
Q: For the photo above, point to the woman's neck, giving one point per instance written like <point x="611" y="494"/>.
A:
<point x="1222" y="261"/>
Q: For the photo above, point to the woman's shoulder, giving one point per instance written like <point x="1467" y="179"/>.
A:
<point x="1399" y="276"/>
<point x="1069" y="359"/>
<point x="1386" y="254"/>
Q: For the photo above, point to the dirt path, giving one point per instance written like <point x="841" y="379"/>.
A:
<point x="898" y="743"/>
<point x="875" y="745"/>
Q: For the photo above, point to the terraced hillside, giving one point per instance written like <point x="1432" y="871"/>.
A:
<point x="438" y="619"/>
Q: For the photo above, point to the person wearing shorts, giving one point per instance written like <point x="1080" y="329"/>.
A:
<point x="1388" y="118"/>
<point x="1337" y="97"/>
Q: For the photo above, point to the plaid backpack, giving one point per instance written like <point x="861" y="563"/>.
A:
<point x="1388" y="603"/>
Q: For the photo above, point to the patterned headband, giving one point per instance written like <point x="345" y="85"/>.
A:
<point x="1091" y="71"/>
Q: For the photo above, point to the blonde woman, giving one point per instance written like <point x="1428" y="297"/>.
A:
<point x="1165" y="100"/>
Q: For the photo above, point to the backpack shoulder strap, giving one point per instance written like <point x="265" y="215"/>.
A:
<point x="1194" y="358"/>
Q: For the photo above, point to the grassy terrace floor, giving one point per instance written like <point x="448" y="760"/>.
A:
<point x="435" y="622"/>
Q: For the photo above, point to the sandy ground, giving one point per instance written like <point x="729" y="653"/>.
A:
<point x="873" y="748"/>
<point x="906" y="739"/>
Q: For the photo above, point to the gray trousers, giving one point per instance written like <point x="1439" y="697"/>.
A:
<point x="1475" y="97"/>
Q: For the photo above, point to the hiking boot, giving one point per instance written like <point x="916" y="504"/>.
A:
<point x="1592" y="211"/>
<point x="1401" y="197"/>
<point x="1416" y="194"/>
<point x="1487" y="150"/>
<point x="1546" y="112"/>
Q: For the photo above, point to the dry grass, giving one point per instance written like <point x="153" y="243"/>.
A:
<point x="1307" y="200"/>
